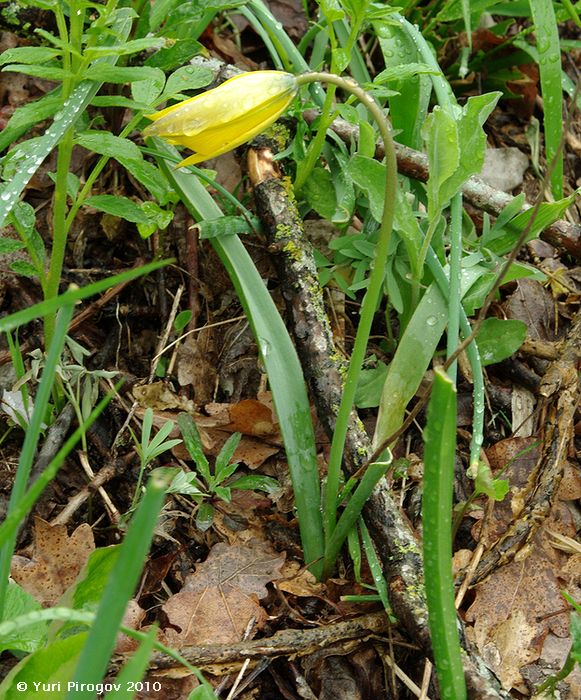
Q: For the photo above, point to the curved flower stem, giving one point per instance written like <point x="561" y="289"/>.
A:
<point x="372" y="294"/>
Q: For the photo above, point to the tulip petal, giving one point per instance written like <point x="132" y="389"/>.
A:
<point x="221" y="119"/>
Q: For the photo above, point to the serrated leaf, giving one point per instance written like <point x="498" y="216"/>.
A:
<point x="119" y="206"/>
<point x="106" y="73"/>
<point x="106" y="144"/>
<point x="28" y="55"/>
<point x="47" y="72"/>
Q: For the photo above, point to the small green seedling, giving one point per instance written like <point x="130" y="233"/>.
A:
<point x="213" y="482"/>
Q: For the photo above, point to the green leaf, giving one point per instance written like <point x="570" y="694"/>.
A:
<point x="193" y="443"/>
<point x="105" y="143"/>
<point x="343" y="184"/>
<point x="159" y="219"/>
<point x="501" y="241"/>
<point x="24" y="268"/>
<point x="319" y="192"/>
<point x="159" y="11"/>
<point x="225" y="455"/>
<point x="28" y="115"/>
<point x="106" y="73"/>
<point x="256" y="482"/>
<point x="129" y="47"/>
<point x="202" y="692"/>
<point x="498" y="339"/>
<point x="27" y="639"/>
<point x="119" y="101"/>
<point x="456" y="148"/>
<point x="28" y="55"/>
<point x="205" y="516"/>
<point x="176" y="55"/>
<point x="10" y="245"/>
<point x="227" y="226"/>
<point x="440" y="132"/>
<point x="369" y="175"/>
<point x="485" y="483"/>
<point x="370" y="386"/>
<point x="54" y="663"/>
<point x="149" y="176"/>
<point x="86" y="592"/>
<point x="439" y="455"/>
<point x="187" y="78"/>
<point x="182" y="320"/>
<point x="147" y="91"/>
<point x="119" y="206"/>
<point x="575" y="630"/>
<point x="410" y="362"/>
<point x="185" y="483"/>
<point x="48" y="72"/>
<point x="547" y="34"/>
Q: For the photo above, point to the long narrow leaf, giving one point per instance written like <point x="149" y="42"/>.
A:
<point x="439" y="454"/>
<point x="31" y="439"/>
<point x="278" y="356"/>
<point x="547" y="34"/>
<point x="97" y="651"/>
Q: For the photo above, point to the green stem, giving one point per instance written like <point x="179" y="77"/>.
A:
<point x="455" y="258"/>
<point x="316" y="145"/>
<point x="370" y="300"/>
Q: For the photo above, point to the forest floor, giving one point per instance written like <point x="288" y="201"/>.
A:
<point x="238" y="590"/>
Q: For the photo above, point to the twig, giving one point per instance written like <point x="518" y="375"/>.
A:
<point x="414" y="164"/>
<point x="286" y="642"/>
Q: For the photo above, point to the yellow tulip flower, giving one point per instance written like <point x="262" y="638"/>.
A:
<point x="218" y="120"/>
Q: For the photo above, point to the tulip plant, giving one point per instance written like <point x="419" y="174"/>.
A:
<point x="220" y="119"/>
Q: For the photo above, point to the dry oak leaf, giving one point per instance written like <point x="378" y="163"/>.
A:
<point x="56" y="560"/>
<point x="219" y="600"/>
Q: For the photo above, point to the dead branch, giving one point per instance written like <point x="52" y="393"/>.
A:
<point x="414" y="164"/>
<point x="287" y="642"/>
<point x="394" y="539"/>
<point x="561" y="391"/>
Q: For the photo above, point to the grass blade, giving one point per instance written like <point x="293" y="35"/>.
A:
<point x="97" y="651"/>
<point x="31" y="439"/>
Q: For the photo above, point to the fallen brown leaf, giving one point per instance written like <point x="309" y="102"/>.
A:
<point x="56" y="560"/>
<point x="220" y="599"/>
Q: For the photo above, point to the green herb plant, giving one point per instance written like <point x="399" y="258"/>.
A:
<point x="208" y="482"/>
